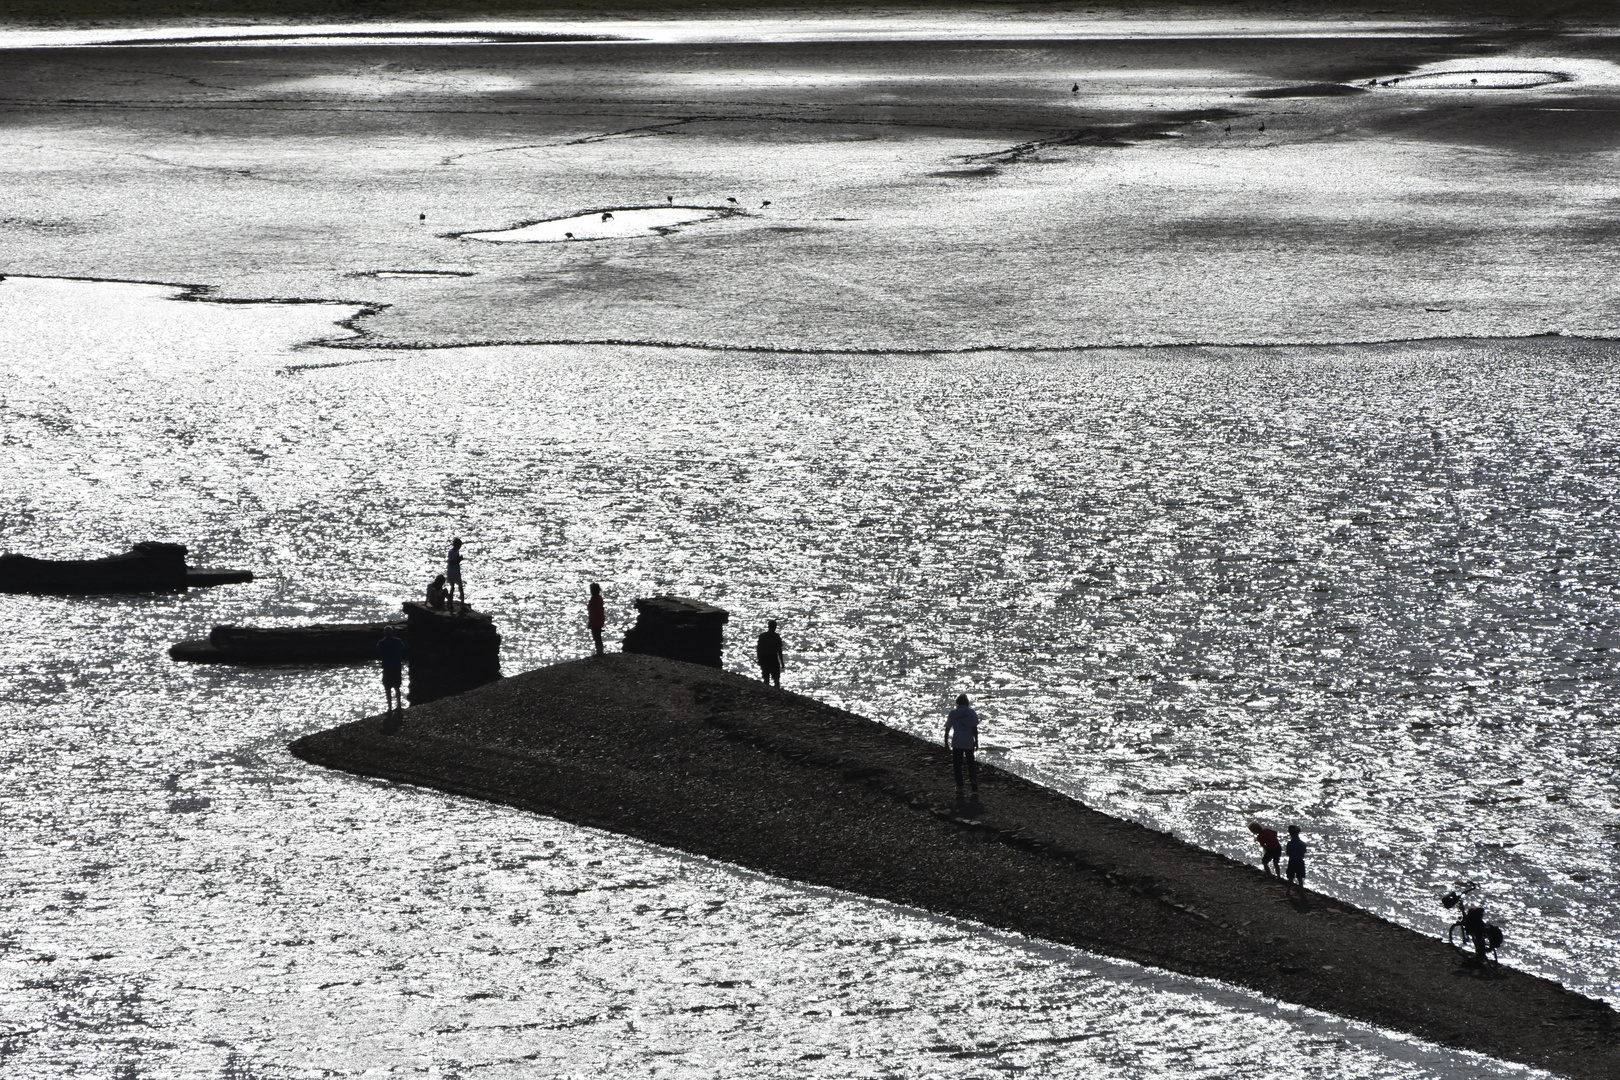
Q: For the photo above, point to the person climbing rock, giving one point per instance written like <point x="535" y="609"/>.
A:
<point x="1271" y="846"/>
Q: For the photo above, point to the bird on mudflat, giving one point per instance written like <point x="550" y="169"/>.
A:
<point x="730" y="200"/>
<point x="1262" y="127"/>
<point x="1075" y="89"/>
<point x="764" y="204"/>
<point x="569" y="235"/>
<point x="421" y="217"/>
<point x="670" y="199"/>
<point x="607" y="216"/>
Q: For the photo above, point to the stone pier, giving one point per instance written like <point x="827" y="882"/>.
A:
<point x="451" y="650"/>
<point x="678" y="628"/>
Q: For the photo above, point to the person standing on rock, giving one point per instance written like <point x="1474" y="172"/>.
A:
<point x="391" y="651"/>
<point x="962" y="738"/>
<point x="596" y="615"/>
<point x="1296" y="862"/>
<point x="452" y="574"/>
<point x="768" y="651"/>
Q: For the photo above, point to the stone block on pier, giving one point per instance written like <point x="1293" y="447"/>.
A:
<point x="452" y="650"/>
<point x="678" y="628"/>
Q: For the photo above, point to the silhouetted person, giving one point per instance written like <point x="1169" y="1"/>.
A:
<point x="391" y="651"/>
<point x="1296" y="862"/>
<point x="452" y="573"/>
<point x="1267" y="839"/>
<point x="768" y="651"/>
<point x="1473" y="921"/>
<point x="962" y="737"/>
<point x="596" y="615"/>
<point x="437" y="594"/>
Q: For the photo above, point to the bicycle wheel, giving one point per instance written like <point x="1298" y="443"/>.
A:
<point x="1457" y="937"/>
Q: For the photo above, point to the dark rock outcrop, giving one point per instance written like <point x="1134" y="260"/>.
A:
<point x="678" y="628"/>
<point x="451" y="650"/>
<point x="713" y="763"/>
<point x="323" y="643"/>
<point x="710" y="762"/>
<point x="147" y="567"/>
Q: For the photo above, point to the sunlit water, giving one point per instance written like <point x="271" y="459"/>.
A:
<point x="1369" y="590"/>
<point x="602" y="225"/>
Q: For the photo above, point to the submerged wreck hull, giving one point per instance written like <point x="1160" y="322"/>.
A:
<point x="147" y="567"/>
<point x="322" y="643"/>
<point x="709" y="762"/>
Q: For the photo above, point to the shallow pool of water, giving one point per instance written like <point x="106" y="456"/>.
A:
<point x="603" y="225"/>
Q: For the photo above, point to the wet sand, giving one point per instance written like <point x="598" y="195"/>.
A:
<point x="722" y="766"/>
<point x="1034" y="183"/>
<point x="1554" y="11"/>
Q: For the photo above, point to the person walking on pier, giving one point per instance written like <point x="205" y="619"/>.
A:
<point x="596" y="615"/>
<point x="1296" y="862"/>
<point x="962" y="738"/>
<point x="452" y="573"/>
<point x="768" y="651"/>
<point x="1267" y="838"/>
<point x="391" y="651"/>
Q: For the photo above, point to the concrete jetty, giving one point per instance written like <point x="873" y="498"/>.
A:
<point x="706" y="761"/>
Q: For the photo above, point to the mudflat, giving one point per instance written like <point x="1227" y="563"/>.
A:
<point x="722" y="766"/>
<point x="930" y="184"/>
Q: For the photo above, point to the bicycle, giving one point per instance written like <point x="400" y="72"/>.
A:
<point x="1461" y="934"/>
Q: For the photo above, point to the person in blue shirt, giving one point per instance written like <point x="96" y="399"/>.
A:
<point x="962" y="738"/>
<point x="1295" y="850"/>
<point x="391" y="651"/>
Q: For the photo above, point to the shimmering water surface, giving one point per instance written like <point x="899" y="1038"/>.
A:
<point x="1370" y="589"/>
<point x="1366" y="589"/>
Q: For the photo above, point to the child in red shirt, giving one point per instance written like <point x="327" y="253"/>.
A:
<point x="1267" y="838"/>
